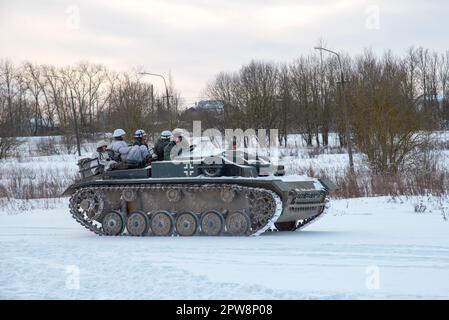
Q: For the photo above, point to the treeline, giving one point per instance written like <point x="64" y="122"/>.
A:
<point x="383" y="101"/>
<point x="79" y="101"/>
<point x="304" y="96"/>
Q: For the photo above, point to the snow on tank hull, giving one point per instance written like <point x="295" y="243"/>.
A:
<point x="137" y="202"/>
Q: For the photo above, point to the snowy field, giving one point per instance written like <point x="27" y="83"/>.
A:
<point x="361" y="249"/>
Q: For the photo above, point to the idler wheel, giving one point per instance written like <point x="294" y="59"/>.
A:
<point x="113" y="223"/>
<point x="238" y="223"/>
<point x="212" y="223"/>
<point x="186" y="224"/>
<point x="286" y="226"/>
<point x="162" y="223"/>
<point x="137" y="223"/>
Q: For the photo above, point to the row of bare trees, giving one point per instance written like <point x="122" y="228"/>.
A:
<point x="304" y="96"/>
<point x="77" y="101"/>
<point x="386" y="101"/>
<point x="297" y="97"/>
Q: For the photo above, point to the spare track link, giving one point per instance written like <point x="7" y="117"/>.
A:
<point x="95" y="226"/>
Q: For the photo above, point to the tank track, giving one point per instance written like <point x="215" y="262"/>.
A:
<point x="94" y="226"/>
<point x="301" y="224"/>
<point x="304" y="223"/>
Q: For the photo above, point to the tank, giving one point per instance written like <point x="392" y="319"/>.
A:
<point x="220" y="196"/>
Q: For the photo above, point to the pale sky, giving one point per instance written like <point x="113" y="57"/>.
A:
<point x="196" y="39"/>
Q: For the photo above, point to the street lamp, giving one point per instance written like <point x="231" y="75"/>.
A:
<point x="166" y="91"/>
<point x="342" y="83"/>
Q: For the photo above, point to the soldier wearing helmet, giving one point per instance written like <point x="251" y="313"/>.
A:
<point x="161" y="143"/>
<point x="119" y="146"/>
<point x="103" y="158"/>
<point x="139" y="138"/>
<point x="138" y="154"/>
<point x="175" y="147"/>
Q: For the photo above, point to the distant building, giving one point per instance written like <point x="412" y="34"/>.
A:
<point x="209" y="112"/>
<point x="215" y="106"/>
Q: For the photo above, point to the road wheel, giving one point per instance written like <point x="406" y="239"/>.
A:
<point x="238" y="223"/>
<point x="113" y="223"/>
<point x="186" y="224"/>
<point x="137" y="223"/>
<point x="162" y="223"/>
<point x="212" y="223"/>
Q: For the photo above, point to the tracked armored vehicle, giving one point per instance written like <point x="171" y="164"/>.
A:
<point x="194" y="196"/>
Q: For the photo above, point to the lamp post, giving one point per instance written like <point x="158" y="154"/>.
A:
<point x="345" y="107"/>
<point x="166" y="92"/>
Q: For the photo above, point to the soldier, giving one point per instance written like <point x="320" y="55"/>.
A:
<point x="119" y="146"/>
<point x="103" y="158"/>
<point x="139" y="138"/>
<point x="161" y="143"/>
<point x="134" y="156"/>
<point x="175" y="147"/>
<point x="137" y="156"/>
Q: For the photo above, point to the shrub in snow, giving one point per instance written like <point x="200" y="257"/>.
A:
<point x="420" y="207"/>
<point x="7" y="146"/>
<point x="3" y="193"/>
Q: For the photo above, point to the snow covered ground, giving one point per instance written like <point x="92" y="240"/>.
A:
<point x="361" y="249"/>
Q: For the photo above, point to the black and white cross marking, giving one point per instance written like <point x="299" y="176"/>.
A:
<point x="188" y="169"/>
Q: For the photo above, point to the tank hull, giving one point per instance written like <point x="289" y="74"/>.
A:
<point x="262" y="203"/>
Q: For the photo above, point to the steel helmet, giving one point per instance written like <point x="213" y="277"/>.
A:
<point x="178" y="132"/>
<point x="166" y="134"/>
<point x="140" y="133"/>
<point x="102" y="143"/>
<point x="118" y="133"/>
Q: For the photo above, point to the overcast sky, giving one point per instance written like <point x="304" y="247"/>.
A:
<point x="196" y="39"/>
